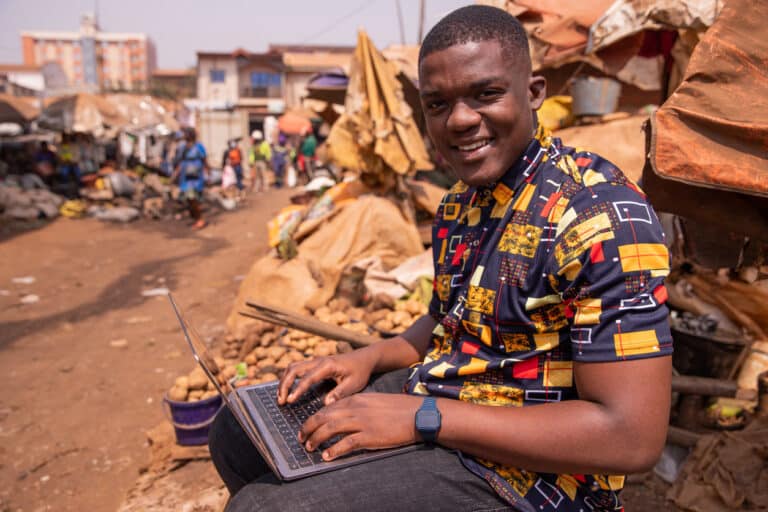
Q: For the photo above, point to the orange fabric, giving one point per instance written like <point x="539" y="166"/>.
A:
<point x="234" y="156"/>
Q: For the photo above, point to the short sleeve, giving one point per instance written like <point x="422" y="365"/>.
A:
<point x="608" y="263"/>
<point x="435" y="304"/>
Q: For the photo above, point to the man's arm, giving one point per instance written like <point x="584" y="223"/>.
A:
<point x="617" y="426"/>
<point x="405" y="349"/>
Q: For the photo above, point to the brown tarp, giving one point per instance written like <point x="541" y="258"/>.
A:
<point x="727" y="471"/>
<point x="366" y="227"/>
<point x="605" y="34"/>
<point x="377" y="132"/>
<point x="83" y="113"/>
<point x="557" y="28"/>
<point x="712" y="133"/>
<point x="144" y="111"/>
<point x="16" y="110"/>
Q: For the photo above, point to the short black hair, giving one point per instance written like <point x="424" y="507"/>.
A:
<point x="475" y="23"/>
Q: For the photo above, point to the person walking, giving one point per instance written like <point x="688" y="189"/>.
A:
<point x="280" y="159"/>
<point x="308" y="152"/>
<point x="191" y="168"/>
<point x="259" y="156"/>
<point x="235" y="159"/>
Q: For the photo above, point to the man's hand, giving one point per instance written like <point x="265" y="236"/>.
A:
<point x="351" y="372"/>
<point x="366" y="421"/>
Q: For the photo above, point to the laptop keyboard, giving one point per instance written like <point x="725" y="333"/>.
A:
<point x="288" y="419"/>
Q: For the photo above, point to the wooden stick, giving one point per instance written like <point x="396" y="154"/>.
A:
<point x="710" y="387"/>
<point x="682" y="437"/>
<point x="280" y="316"/>
<point x="762" y="390"/>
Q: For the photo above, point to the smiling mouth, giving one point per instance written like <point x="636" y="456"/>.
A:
<point x="468" y="148"/>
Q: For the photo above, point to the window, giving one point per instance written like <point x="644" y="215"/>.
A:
<point x="262" y="79"/>
<point x="217" y="76"/>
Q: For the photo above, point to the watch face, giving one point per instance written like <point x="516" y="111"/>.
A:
<point x="428" y="420"/>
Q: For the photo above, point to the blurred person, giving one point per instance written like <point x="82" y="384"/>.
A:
<point x="281" y="155"/>
<point x="69" y="160"/>
<point x="191" y="167"/>
<point x="308" y="151"/>
<point x="235" y="159"/>
<point x="259" y="156"/>
<point x="45" y="161"/>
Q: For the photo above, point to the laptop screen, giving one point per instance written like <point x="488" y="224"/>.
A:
<point x="199" y="350"/>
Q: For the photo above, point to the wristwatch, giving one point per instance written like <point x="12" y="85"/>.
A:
<point x="428" y="420"/>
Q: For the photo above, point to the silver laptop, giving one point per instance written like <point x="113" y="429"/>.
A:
<point x="272" y="428"/>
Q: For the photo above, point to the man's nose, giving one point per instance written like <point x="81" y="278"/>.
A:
<point x="462" y="117"/>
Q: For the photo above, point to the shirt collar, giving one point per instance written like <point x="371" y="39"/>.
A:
<point x="521" y="170"/>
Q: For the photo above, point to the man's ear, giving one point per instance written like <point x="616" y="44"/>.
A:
<point x="537" y="91"/>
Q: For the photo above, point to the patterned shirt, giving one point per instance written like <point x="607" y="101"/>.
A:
<point x="561" y="260"/>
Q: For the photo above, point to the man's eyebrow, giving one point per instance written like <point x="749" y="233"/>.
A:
<point x="479" y="84"/>
<point x="485" y="82"/>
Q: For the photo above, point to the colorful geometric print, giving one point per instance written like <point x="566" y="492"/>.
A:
<point x="562" y="260"/>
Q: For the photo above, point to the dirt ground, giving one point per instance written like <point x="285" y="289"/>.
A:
<point x="84" y="369"/>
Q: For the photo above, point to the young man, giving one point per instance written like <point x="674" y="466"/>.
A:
<point x="546" y="349"/>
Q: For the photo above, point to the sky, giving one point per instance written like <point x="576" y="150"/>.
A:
<point x="179" y="28"/>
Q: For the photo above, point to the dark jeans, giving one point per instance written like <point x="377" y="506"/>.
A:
<point x="239" y="175"/>
<point x="423" y="480"/>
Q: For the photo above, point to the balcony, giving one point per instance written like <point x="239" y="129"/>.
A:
<point x="261" y="92"/>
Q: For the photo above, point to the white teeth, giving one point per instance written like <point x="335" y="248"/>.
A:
<point x="474" y="146"/>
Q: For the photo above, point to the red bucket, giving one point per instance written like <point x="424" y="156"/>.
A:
<point x="191" y="420"/>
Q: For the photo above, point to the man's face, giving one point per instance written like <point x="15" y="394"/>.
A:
<point x="478" y="105"/>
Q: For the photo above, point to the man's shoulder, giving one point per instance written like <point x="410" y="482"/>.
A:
<point x="580" y="169"/>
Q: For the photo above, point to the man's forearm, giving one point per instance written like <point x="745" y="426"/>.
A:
<point x="405" y="349"/>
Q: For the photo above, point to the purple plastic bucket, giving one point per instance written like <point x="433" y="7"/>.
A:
<point x="191" y="420"/>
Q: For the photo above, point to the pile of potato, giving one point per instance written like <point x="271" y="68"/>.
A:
<point x="406" y="312"/>
<point x="267" y="350"/>
<point x="192" y="387"/>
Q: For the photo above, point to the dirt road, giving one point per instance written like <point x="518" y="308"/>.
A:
<point x="83" y="370"/>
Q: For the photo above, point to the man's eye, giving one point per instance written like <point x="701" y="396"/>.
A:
<point x="490" y="93"/>
<point x="435" y="104"/>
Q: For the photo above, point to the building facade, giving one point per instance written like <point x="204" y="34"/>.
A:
<point x="237" y="90"/>
<point x="174" y="83"/>
<point x="92" y="59"/>
<point x="39" y="81"/>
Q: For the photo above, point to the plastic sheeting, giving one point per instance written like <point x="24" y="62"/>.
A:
<point x="628" y="17"/>
<point x="377" y="133"/>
